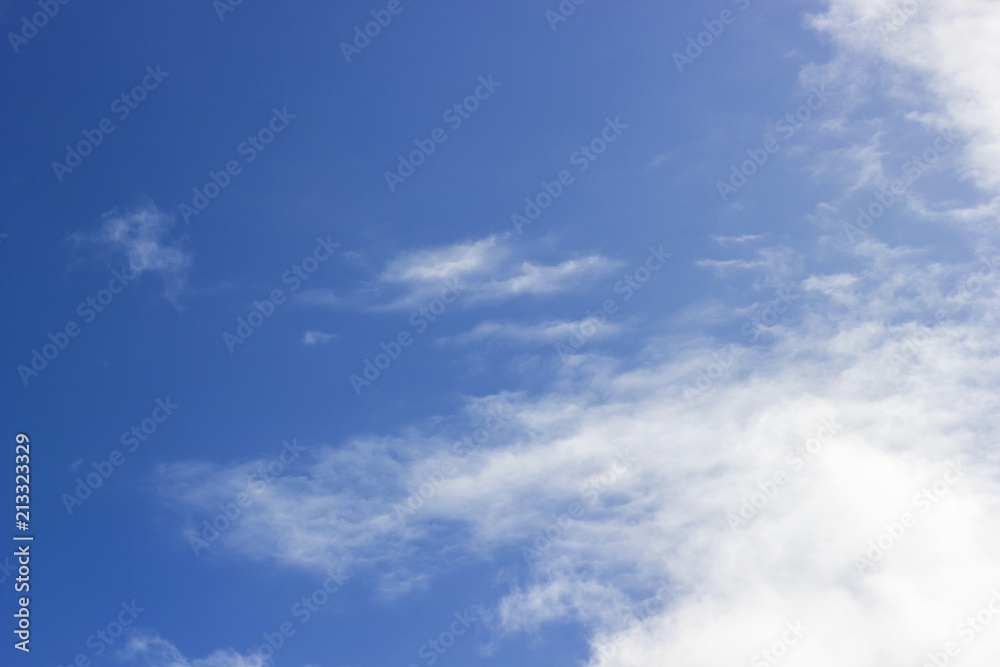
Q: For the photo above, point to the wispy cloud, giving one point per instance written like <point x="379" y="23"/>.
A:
<point x="546" y="332"/>
<point x="939" y="59"/>
<point x="665" y="519"/>
<point x="803" y="486"/>
<point x="147" y="649"/>
<point x="777" y="263"/>
<point x="454" y="262"/>
<point x="529" y="278"/>
<point x="142" y="236"/>
<point x="486" y="271"/>
<point x="317" y="337"/>
<point x="727" y="241"/>
<point x="757" y="500"/>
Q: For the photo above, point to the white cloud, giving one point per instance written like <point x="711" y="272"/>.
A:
<point x="905" y="401"/>
<point x="486" y="271"/>
<point x="862" y="162"/>
<point x="449" y="262"/>
<point x="529" y="278"/>
<point x="141" y="236"/>
<point x="899" y="356"/>
<point x="551" y="331"/>
<point x="148" y="649"/>
<point x="729" y="240"/>
<point x="900" y="416"/>
<point x="777" y="262"/>
<point x="941" y="59"/>
<point x="317" y="337"/>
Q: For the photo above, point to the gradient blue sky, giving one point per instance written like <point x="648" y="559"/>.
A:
<point x="495" y="346"/>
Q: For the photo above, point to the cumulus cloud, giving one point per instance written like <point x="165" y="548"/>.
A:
<point x="837" y="486"/>
<point x="141" y="237"/>
<point x="940" y="58"/>
<point x="831" y="497"/>
<point x="856" y="419"/>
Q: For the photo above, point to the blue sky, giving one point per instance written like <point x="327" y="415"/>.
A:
<point x="626" y="372"/>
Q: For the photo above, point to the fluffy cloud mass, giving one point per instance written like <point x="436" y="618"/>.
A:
<point x="826" y="494"/>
